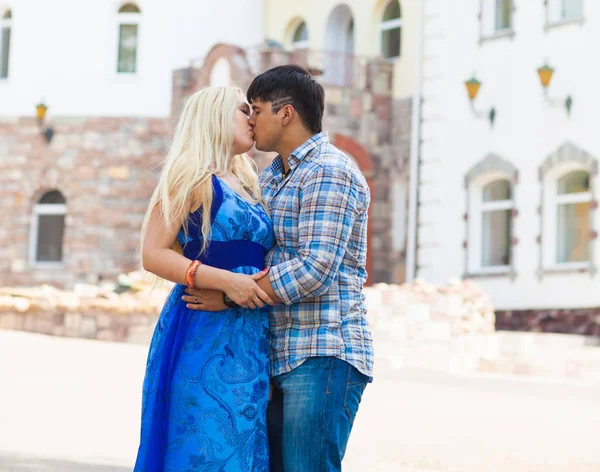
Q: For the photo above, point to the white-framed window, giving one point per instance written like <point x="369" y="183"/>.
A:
<point x="47" y="229"/>
<point x="503" y="20"/>
<point x="129" y="19"/>
<point x="567" y="219"/>
<point x="5" y="27"/>
<point x="490" y="225"/>
<point x="391" y="30"/>
<point x="564" y="10"/>
<point x="300" y="36"/>
<point x="496" y="17"/>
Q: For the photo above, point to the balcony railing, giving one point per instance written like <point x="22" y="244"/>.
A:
<point x="331" y="68"/>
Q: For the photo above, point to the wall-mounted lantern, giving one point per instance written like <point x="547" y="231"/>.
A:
<point x="40" y="113"/>
<point x="473" y="85"/>
<point x="545" y="73"/>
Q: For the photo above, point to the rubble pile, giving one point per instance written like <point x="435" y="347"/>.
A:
<point x="461" y="306"/>
<point x="127" y="310"/>
<point x="134" y="293"/>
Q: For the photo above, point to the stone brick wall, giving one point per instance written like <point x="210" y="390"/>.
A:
<point x="420" y="328"/>
<point x="382" y="126"/>
<point x="585" y="321"/>
<point x="106" y="169"/>
<point x="363" y="120"/>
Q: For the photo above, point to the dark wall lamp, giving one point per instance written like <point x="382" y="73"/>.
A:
<point x="46" y="131"/>
<point x="545" y="73"/>
<point x="473" y="85"/>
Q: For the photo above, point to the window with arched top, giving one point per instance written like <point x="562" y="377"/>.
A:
<point x="490" y="217"/>
<point x="47" y="229"/>
<point x="220" y="74"/>
<point x="572" y="202"/>
<point x="5" y="29"/>
<point x="567" y="210"/>
<point x="129" y="18"/>
<point x="490" y="222"/>
<point x="391" y="30"/>
<point x="496" y="215"/>
<point x="129" y="8"/>
<point x="338" y="63"/>
<point x="300" y="36"/>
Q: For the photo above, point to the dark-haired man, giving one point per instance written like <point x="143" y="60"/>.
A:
<point x="321" y="345"/>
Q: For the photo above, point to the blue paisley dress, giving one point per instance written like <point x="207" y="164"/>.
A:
<point x="207" y="376"/>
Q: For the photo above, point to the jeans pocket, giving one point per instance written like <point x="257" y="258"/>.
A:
<point x="356" y="378"/>
<point x="355" y="386"/>
<point x="352" y="399"/>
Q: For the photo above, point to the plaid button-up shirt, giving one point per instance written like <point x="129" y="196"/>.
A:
<point x="317" y="268"/>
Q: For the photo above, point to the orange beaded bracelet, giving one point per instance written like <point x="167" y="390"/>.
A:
<point x="190" y="275"/>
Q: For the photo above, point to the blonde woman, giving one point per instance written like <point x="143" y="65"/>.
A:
<point x="207" y="384"/>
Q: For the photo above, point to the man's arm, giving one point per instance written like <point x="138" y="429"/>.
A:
<point x="265" y="284"/>
<point x="330" y="201"/>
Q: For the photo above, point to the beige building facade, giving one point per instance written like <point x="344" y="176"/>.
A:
<point x="329" y="22"/>
<point x="364" y="54"/>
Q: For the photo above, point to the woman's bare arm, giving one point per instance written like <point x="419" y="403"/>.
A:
<point x="159" y="258"/>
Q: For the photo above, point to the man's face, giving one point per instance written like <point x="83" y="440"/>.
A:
<point x="266" y="126"/>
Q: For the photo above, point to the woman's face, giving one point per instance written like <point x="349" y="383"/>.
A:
<point x="243" y="139"/>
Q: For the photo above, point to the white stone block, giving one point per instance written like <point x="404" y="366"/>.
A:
<point x="418" y="313"/>
<point x="18" y="266"/>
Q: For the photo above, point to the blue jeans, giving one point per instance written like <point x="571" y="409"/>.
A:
<point x="311" y="413"/>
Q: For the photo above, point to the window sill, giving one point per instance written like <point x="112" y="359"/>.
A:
<point x="47" y="265"/>
<point x="557" y="24"/>
<point x="570" y="268"/>
<point x="507" y="33"/>
<point x="499" y="272"/>
<point x="125" y="78"/>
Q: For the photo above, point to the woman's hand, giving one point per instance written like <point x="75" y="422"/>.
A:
<point x="244" y="290"/>
<point x="204" y="299"/>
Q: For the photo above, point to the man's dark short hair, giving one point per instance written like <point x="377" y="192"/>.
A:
<point x="291" y="85"/>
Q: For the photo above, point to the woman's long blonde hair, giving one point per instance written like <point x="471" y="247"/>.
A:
<point x="202" y="144"/>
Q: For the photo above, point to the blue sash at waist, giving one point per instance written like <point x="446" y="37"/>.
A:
<point x="228" y="254"/>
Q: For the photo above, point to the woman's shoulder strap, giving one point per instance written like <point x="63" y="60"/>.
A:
<point x="217" y="198"/>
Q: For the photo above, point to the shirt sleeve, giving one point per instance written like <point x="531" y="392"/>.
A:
<point x="330" y="201"/>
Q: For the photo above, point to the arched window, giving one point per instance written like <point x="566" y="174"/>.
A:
<point x="300" y="37"/>
<point x="5" y="25"/>
<point x="490" y="221"/>
<point x="490" y="215"/>
<point x="567" y="228"/>
<point x="48" y="228"/>
<point x="339" y="60"/>
<point x="496" y="216"/>
<point x="572" y="209"/>
<point x="129" y="21"/>
<point x="391" y="30"/>
<point x="220" y="73"/>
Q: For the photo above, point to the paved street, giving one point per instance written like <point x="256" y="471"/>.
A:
<point x="73" y="405"/>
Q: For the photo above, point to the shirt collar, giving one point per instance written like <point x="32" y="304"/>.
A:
<point x="298" y="154"/>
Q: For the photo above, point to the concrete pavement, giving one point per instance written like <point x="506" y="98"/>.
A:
<point x="74" y="405"/>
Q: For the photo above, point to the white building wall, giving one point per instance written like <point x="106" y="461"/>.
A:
<point x="65" y="52"/>
<point x="527" y="130"/>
